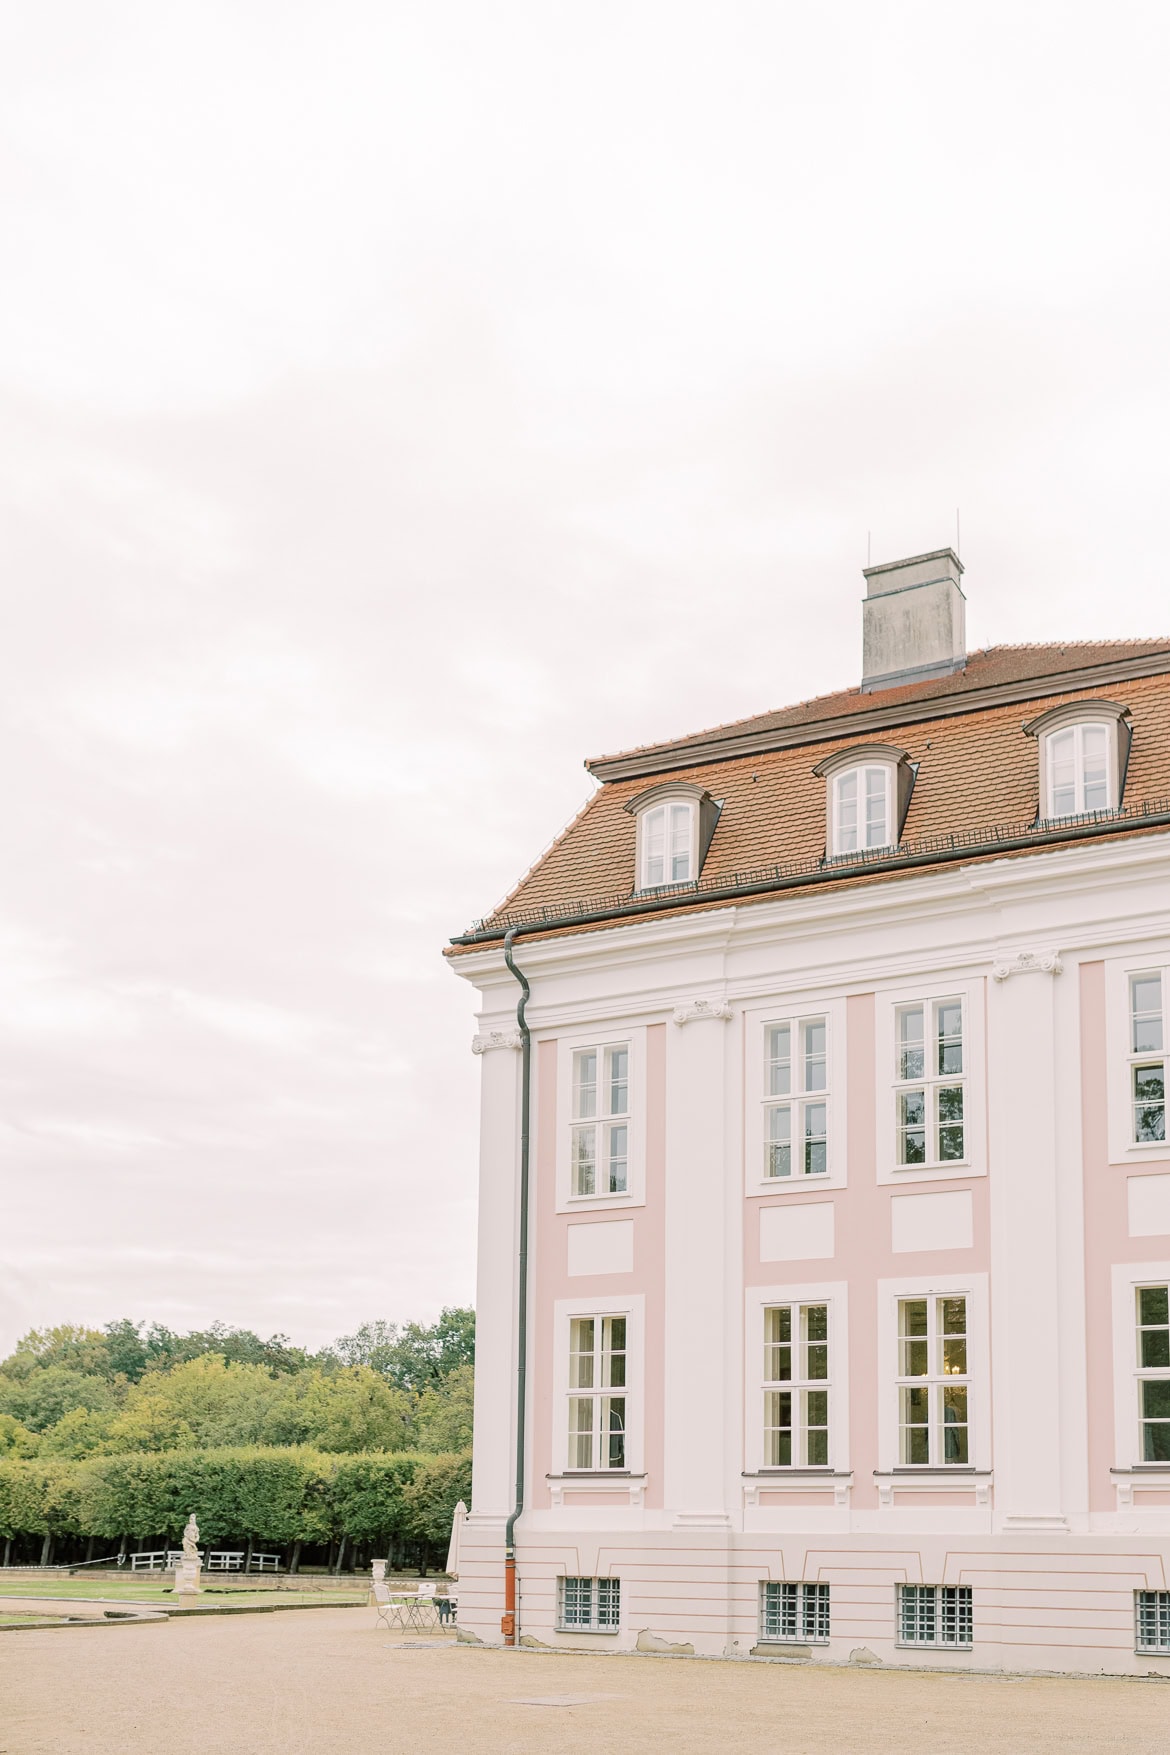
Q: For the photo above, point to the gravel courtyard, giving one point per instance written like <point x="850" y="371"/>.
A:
<point x="330" y="1682"/>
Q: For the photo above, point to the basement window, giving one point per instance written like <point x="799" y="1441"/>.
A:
<point x="589" y="1605"/>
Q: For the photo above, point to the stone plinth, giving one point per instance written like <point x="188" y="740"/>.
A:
<point x="187" y="1577"/>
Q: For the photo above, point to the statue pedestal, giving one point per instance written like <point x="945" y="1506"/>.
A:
<point x="187" y="1577"/>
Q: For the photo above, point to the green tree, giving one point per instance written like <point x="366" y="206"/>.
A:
<point x="348" y="1410"/>
<point x="42" y="1396"/>
<point x="414" y="1357"/>
<point x="430" y="1496"/>
<point x="205" y="1401"/>
<point x="443" y="1417"/>
<point x="82" y="1350"/>
<point x="15" y="1439"/>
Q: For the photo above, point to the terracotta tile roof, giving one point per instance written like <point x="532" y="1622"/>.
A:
<point x="977" y="778"/>
<point x="991" y="668"/>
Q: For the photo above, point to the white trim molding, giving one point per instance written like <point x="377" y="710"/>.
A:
<point x="1027" y="963"/>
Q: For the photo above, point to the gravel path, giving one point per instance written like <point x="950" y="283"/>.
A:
<point x="323" y="1683"/>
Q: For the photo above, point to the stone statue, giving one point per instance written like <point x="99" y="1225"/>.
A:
<point x="191" y="1539"/>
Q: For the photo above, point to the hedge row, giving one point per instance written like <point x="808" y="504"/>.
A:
<point x="269" y="1495"/>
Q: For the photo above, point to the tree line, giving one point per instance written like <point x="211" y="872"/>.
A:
<point x="310" y="1506"/>
<point x="115" y="1435"/>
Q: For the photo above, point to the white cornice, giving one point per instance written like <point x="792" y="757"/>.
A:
<point x="640" y="960"/>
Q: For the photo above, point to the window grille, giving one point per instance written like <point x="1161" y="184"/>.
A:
<point x="797" y="1612"/>
<point x="590" y="1604"/>
<point x="1152" y="1620"/>
<point x="935" y="1614"/>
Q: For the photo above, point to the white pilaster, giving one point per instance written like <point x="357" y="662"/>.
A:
<point x="696" y="1085"/>
<point x="1025" y="1252"/>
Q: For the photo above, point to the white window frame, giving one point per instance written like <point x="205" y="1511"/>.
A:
<point x="891" y="1004"/>
<point x="758" y="1021"/>
<point x="1087" y="719"/>
<point x="664" y="806"/>
<point x="758" y="1299"/>
<point x="801" y="1382"/>
<point x="632" y="1307"/>
<point x="937" y="1377"/>
<point x="615" y="1033"/>
<point x="600" y="1587"/>
<point x="1120" y="1057"/>
<point x="859" y="772"/>
<point x="963" y="1599"/>
<point x="1128" y="1278"/>
<point x="890" y="1293"/>
<point x="931" y="1082"/>
<point x="599" y="1118"/>
<point x="800" y="1103"/>
<point x="807" y="1603"/>
<point x="608" y="1335"/>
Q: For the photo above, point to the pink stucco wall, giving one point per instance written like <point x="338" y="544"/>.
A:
<point x="552" y="1281"/>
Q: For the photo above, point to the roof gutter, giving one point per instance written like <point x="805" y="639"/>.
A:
<point x="509" y="1624"/>
<point x="954" y="849"/>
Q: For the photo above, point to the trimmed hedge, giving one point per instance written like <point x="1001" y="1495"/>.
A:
<point x="271" y="1495"/>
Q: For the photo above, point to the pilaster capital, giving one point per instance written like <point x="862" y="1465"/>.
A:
<point x="702" y="1008"/>
<point x="1027" y="963"/>
<point x="489" y="1039"/>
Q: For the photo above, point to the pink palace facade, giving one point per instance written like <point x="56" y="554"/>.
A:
<point x="840" y="1094"/>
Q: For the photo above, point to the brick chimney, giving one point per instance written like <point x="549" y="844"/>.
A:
<point x="913" y="620"/>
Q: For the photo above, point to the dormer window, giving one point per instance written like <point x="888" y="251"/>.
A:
<point x="668" y="837"/>
<point x="675" y="825"/>
<point x="861" y="808"/>
<point x="867" y="795"/>
<point x="1084" y="749"/>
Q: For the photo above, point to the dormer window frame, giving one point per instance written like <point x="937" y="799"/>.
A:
<point x="860" y="763"/>
<point x="1075" y="717"/>
<point x="660" y="804"/>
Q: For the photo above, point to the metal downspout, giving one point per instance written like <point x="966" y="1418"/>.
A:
<point x="509" y="1625"/>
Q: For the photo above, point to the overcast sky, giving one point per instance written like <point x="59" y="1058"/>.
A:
<point x="400" y="403"/>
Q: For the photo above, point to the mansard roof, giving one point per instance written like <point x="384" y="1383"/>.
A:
<point x="975" y="794"/>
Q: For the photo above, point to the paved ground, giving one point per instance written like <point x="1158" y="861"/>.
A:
<point x="332" y="1683"/>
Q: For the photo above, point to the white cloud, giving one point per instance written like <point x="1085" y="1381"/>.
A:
<point x="398" y="405"/>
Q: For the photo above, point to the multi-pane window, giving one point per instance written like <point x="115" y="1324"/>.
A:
<point x="1078" y="770"/>
<point x="597" y="1392"/>
<point x="935" y="1614"/>
<point x="796" y="1098"/>
<point x="796" y="1386"/>
<point x="862" y="813"/>
<point x="593" y="1604"/>
<point x="930" y="1094"/>
<point x="601" y="1120"/>
<point x="1153" y="1357"/>
<point x="933" y="1381"/>
<point x="667" y="845"/>
<point x="799" y="1612"/>
<point x="1152" y="1620"/>
<point x="1147" y="1065"/>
